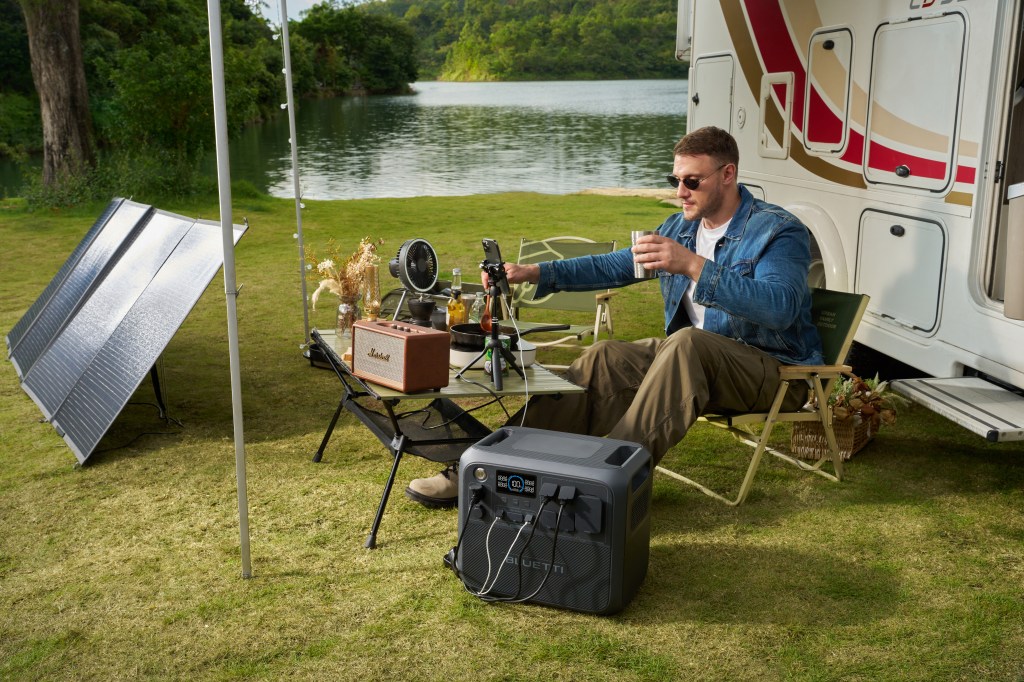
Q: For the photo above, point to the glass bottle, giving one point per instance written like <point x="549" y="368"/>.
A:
<point x="474" y="307"/>
<point x="456" y="308"/>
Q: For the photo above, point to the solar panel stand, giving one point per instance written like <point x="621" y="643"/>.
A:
<point x="154" y="375"/>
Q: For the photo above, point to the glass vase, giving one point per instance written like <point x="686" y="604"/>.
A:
<point x="348" y="313"/>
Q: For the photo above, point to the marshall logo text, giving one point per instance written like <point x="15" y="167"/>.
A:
<point x="377" y="355"/>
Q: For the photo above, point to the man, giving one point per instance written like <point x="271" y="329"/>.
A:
<point x="737" y="306"/>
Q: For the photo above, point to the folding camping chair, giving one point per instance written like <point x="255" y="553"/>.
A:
<point x="599" y="303"/>
<point x="837" y="315"/>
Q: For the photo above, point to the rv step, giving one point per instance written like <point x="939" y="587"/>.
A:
<point x="978" y="405"/>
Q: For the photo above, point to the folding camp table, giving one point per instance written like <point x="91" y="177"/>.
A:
<point x="439" y="431"/>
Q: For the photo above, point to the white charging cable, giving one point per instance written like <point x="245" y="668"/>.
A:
<point x="485" y="588"/>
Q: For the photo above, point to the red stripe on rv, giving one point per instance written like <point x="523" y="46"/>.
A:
<point x="966" y="174"/>
<point x="771" y="35"/>
<point x="775" y="45"/>
<point x="854" y="149"/>
<point x="883" y="158"/>
<point x="823" y="125"/>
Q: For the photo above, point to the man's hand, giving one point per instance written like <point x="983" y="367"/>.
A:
<point x="516" y="274"/>
<point x="661" y="253"/>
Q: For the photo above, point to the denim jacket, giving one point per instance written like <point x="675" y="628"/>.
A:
<point x="755" y="290"/>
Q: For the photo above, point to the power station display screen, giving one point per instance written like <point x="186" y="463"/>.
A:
<point x="517" y="484"/>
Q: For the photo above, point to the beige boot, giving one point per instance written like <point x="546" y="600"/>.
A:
<point x="438" y="491"/>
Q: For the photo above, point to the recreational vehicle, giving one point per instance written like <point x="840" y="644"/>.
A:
<point x="893" y="130"/>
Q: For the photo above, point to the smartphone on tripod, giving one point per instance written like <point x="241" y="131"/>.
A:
<point x="495" y="266"/>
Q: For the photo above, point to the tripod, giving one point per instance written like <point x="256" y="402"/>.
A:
<point x="495" y="276"/>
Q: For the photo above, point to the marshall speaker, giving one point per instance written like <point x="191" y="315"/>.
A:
<point x="515" y="484"/>
<point x="401" y="356"/>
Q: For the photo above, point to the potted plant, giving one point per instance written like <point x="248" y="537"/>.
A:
<point x="859" y="408"/>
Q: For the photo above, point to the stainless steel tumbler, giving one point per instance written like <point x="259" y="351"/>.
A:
<point x="639" y="271"/>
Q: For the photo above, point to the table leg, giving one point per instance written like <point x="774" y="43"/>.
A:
<point x="398" y="446"/>
<point x="330" y="429"/>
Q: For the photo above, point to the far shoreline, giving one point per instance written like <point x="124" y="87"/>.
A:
<point x="667" y="196"/>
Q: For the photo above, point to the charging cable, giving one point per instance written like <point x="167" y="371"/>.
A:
<point x="522" y="364"/>
<point x="551" y="562"/>
<point x="485" y="588"/>
<point x="550" y="492"/>
<point x="451" y="559"/>
<point x="565" y="495"/>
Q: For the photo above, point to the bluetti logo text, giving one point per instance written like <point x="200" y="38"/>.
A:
<point x="556" y="569"/>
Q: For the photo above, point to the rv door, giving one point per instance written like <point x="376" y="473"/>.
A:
<point x="711" y="92"/>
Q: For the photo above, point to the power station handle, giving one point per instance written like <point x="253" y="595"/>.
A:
<point x="641" y="476"/>
<point x="493" y="438"/>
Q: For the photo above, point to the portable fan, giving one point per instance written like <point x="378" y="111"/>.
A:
<point x="415" y="266"/>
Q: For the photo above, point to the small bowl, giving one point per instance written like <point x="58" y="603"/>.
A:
<point x="459" y="356"/>
<point x="421" y="309"/>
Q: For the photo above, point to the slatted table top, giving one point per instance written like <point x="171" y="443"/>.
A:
<point x="474" y="384"/>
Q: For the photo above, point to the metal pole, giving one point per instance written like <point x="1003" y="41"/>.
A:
<point x="220" y="120"/>
<point x="286" y="46"/>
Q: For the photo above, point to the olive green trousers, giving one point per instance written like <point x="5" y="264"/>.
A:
<point x="651" y="391"/>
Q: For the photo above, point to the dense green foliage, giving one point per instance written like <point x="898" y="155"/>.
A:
<point x="132" y="48"/>
<point x="19" y="110"/>
<point x="148" y="73"/>
<point x="541" y="39"/>
<point x="353" y="50"/>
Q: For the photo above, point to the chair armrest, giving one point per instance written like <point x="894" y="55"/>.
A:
<point x="605" y="295"/>
<point x="789" y="372"/>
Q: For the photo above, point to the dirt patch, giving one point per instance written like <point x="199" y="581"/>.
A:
<point x="666" y="195"/>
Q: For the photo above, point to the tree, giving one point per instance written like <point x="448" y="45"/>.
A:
<point x="59" y="76"/>
<point x="356" y="51"/>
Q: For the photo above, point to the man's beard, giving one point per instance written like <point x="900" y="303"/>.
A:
<point x="710" y="206"/>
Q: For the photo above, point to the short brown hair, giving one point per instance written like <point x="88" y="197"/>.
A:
<point x="715" y="142"/>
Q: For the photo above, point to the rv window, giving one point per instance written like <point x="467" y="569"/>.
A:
<point x="775" y="121"/>
<point x="914" y="102"/>
<point x="827" y="93"/>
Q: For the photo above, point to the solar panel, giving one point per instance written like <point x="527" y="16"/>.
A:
<point x="23" y="324"/>
<point x="107" y="334"/>
<point x="71" y="285"/>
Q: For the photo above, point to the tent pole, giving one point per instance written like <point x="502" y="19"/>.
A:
<point x="286" y="47"/>
<point x="231" y="293"/>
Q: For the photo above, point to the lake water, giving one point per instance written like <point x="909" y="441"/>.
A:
<point x="471" y="138"/>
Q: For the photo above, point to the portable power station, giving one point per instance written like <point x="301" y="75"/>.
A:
<point x="517" y="483"/>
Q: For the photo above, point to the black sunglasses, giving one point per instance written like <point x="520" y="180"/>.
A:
<point x="692" y="183"/>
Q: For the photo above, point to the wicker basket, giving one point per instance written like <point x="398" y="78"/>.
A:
<point x="808" y="440"/>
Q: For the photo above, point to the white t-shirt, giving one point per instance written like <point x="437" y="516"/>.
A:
<point x="706" y="241"/>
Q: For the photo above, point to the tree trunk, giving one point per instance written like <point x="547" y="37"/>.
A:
<point x="58" y="71"/>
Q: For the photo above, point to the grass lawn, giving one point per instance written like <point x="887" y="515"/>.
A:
<point x="129" y="567"/>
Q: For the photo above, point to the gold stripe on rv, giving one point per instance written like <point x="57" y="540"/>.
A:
<point x="750" y="65"/>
